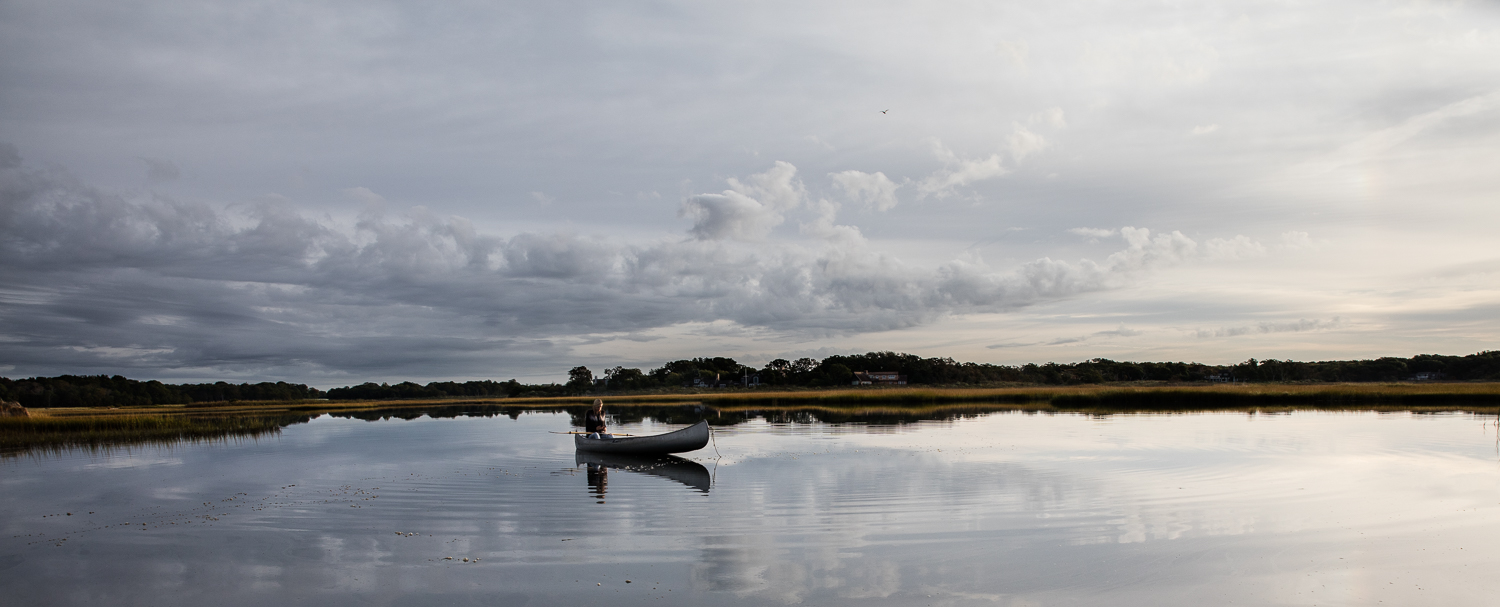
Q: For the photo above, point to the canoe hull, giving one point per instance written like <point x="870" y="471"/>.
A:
<point x="691" y="438"/>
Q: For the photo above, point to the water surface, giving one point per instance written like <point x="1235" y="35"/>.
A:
<point x="1004" y="508"/>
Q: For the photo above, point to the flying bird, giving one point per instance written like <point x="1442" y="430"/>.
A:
<point x="884" y="111"/>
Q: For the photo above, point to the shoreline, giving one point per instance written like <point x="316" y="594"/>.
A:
<point x="103" y="427"/>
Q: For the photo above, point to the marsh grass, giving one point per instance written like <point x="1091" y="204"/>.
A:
<point x="1262" y="395"/>
<point x="71" y="428"/>
<point x="18" y="433"/>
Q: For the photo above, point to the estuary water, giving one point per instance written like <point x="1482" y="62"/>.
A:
<point x="983" y="508"/>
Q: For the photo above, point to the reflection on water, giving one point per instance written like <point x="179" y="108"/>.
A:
<point x="598" y="480"/>
<point x="967" y="509"/>
<point x="669" y="467"/>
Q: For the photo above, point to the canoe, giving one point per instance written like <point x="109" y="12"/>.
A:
<point x="691" y="438"/>
<point x="670" y="467"/>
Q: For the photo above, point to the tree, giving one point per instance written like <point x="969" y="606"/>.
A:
<point x="580" y="379"/>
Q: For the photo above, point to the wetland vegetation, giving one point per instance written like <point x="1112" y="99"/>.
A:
<point x="693" y="376"/>
<point x="96" y="427"/>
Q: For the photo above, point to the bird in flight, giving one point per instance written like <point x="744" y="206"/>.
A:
<point x="884" y="111"/>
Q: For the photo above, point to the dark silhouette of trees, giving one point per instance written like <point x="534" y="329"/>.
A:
<point x="118" y="391"/>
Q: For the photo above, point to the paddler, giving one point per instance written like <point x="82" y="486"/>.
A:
<point x="593" y="421"/>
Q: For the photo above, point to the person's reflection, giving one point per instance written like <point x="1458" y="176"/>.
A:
<point x="598" y="480"/>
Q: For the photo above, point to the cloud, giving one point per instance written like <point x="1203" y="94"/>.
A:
<point x="1381" y="141"/>
<point x="1296" y="239"/>
<point x="1093" y="234"/>
<point x="1203" y="129"/>
<point x="1024" y="143"/>
<point x="1016" y="52"/>
<point x="1120" y="332"/>
<point x="957" y="171"/>
<point x="1262" y="328"/>
<point x="1052" y="117"/>
<point x="98" y="280"/>
<point x="747" y="210"/>
<point x="1239" y="247"/>
<point x="10" y="157"/>
<point x="373" y="202"/>
<point x="871" y="189"/>
<point x="161" y="171"/>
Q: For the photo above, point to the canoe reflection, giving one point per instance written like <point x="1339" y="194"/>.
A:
<point x="670" y="467"/>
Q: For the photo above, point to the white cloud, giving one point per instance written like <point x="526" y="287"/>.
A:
<point x="871" y="189"/>
<point x="1295" y="239"/>
<point x="958" y="171"/>
<point x="1052" y="117"/>
<point x="1024" y="143"/>
<point x="1239" y="247"/>
<point x="748" y="210"/>
<point x="1203" y="129"/>
<point x="1094" y="234"/>
<point x="1016" y="51"/>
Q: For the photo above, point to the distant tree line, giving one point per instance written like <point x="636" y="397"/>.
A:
<point x="446" y="389"/>
<point x="722" y="372"/>
<point x="118" y="391"/>
<point x="437" y="389"/>
<point x="840" y="370"/>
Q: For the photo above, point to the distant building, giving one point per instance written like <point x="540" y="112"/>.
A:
<point x="1221" y="377"/>
<point x="1427" y="376"/>
<point x="866" y="378"/>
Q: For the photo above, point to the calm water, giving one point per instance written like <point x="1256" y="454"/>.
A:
<point x="998" y="509"/>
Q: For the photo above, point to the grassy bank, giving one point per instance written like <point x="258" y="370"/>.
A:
<point x="167" y="424"/>
<point x="18" y="433"/>
<point x="1273" y="395"/>
<point x="1143" y="395"/>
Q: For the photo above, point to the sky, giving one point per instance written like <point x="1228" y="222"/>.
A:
<point x="341" y="192"/>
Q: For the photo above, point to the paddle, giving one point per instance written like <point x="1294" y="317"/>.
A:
<point x="576" y="432"/>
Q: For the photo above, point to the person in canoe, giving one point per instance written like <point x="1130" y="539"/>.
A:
<point x="593" y="421"/>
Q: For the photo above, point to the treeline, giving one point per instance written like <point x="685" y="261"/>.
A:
<point x="441" y="389"/>
<point x="118" y="391"/>
<point x="840" y="370"/>
<point x="722" y="372"/>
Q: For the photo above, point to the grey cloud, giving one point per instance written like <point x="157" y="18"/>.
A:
<point x="1009" y="345"/>
<point x="1120" y="332"/>
<point x="161" y="171"/>
<point x="871" y="189"/>
<point x="95" y="279"/>
<point x="729" y="215"/>
<point x="10" y="157"/>
<point x="1094" y="233"/>
<point x="1273" y="327"/>
<point x="958" y="171"/>
<point x="747" y="210"/>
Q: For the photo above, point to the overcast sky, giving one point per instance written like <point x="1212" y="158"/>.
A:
<point x="336" y="192"/>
